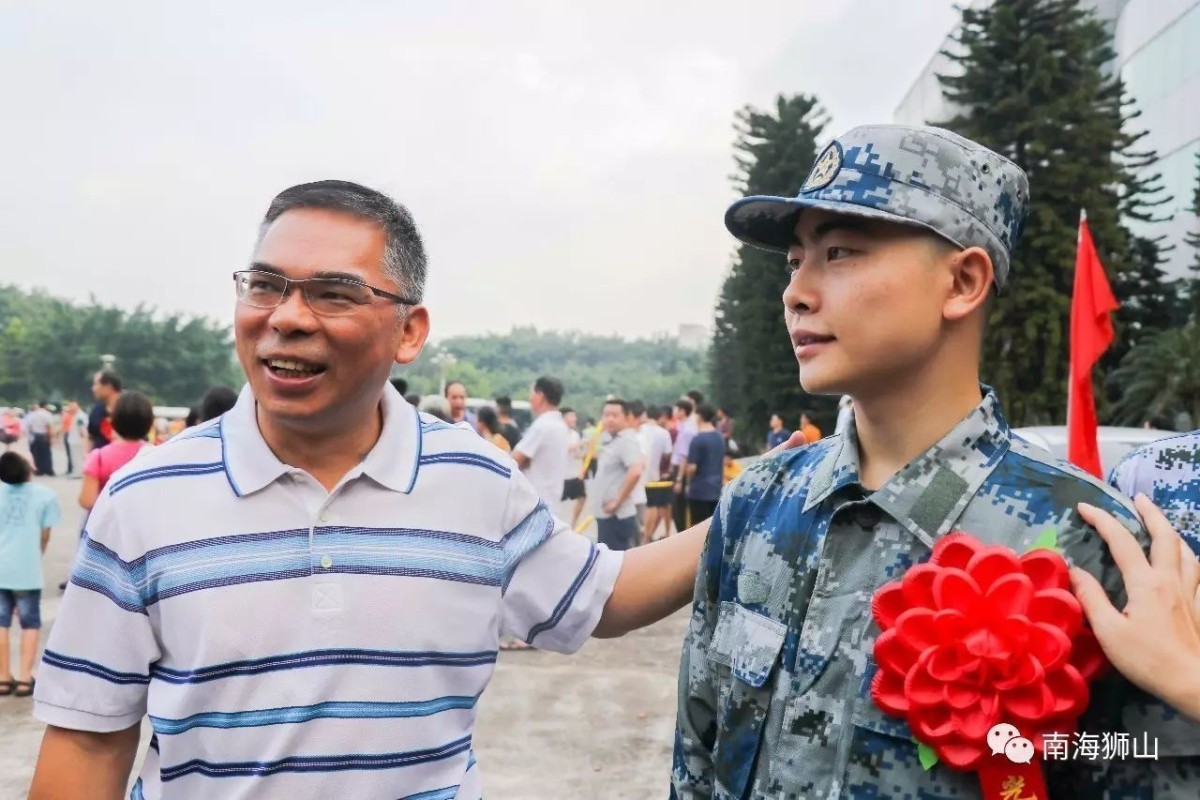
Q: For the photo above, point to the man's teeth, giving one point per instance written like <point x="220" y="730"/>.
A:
<point x="292" y="366"/>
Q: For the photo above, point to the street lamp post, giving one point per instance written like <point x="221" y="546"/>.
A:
<point x="107" y="360"/>
<point x="443" y="360"/>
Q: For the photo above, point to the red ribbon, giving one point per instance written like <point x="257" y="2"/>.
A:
<point x="979" y="636"/>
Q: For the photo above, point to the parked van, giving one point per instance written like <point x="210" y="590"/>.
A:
<point x="522" y="413"/>
<point x="1114" y="442"/>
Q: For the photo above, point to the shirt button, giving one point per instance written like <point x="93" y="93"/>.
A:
<point x="326" y="562"/>
<point x="324" y="516"/>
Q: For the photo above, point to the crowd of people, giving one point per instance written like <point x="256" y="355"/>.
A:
<point x="114" y="430"/>
<point x="640" y="473"/>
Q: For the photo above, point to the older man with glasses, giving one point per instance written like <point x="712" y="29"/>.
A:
<point x="306" y="594"/>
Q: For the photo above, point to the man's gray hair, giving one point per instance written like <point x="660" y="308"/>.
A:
<point x="404" y="254"/>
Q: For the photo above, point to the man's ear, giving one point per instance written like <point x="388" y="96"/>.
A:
<point x="971" y="276"/>
<point x="414" y="331"/>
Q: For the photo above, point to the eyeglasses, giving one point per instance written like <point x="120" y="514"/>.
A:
<point x="330" y="297"/>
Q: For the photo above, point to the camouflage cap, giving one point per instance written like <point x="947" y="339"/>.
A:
<point x="912" y="175"/>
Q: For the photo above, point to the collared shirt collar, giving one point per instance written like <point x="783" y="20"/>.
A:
<point x="930" y="492"/>
<point x="250" y="464"/>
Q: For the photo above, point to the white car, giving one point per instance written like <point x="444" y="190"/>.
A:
<point x="1114" y="442"/>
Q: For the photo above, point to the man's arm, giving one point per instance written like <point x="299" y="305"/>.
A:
<point x="45" y="539"/>
<point x="657" y="579"/>
<point x="527" y="448"/>
<point x="632" y="476"/>
<point x="75" y="764"/>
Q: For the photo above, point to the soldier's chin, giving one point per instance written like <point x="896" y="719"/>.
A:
<point x="815" y="380"/>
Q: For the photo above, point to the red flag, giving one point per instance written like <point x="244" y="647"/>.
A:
<point x="1091" y="333"/>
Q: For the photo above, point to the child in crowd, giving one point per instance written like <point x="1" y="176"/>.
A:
<point x="27" y="513"/>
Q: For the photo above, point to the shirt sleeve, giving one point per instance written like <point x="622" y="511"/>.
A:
<point x="530" y="442"/>
<point x="51" y="513"/>
<point x="96" y="667"/>
<point x="1125" y="475"/>
<point x="696" y="721"/>
<point x="679" y="448"/>
<point x="91" y="464"/>
<point x="556" y="582"/>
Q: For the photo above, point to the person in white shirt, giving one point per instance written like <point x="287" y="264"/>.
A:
<point x="74" y="434"/>
<point x="656" y="444"/>
<point x="542" y="452"/>
<point x="845" y="414"/>
<point x="574" y="488"/>
<point x="39" y="427"/>
<point x="383" y="554"/>
<point x="685" y="431"/>
<point x="635" y="412"/>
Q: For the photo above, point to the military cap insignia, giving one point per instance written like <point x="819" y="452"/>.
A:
<point x="825" y="170"/>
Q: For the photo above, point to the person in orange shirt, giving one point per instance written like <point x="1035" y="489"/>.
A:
<point x="811" y="432"/>
<point x="732" y="467"/>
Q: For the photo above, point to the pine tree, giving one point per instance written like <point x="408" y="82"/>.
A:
<point x="722" y="353"/>
<point x="1035" y="86"/>
<point x="753" y="366"/>
<point x="1193" y="240"/>
<point x="1148" y="300"/>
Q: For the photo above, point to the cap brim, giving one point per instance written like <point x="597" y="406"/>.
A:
<point x="769" y="223"/>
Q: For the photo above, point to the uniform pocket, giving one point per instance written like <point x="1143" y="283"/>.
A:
<point x="748" y="645"/>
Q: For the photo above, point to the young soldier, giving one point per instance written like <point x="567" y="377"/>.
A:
<point x="893" y="246"/>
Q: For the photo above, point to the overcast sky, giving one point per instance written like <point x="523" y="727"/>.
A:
<point x="567" y="162"/>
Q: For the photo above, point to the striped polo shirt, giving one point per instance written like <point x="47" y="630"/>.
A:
<point x="288" y="641"/>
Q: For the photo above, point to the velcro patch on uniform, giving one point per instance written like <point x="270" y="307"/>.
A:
<point x="943" y="493"/>
<point x="752" y="588"/>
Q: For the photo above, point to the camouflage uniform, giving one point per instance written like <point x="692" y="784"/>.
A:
<point x="776" y="673"/>
<point x="1168" y="472"/>
<point x="774" y="687"/>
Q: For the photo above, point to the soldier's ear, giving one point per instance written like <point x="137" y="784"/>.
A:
<point x="970" y="286"/>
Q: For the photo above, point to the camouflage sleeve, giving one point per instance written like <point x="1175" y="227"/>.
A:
<point x="696" y="723"/>
<point x="1156" y="750"/>
<point x="1124" y="476"/>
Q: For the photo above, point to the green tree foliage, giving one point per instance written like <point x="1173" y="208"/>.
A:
<point x="1193" y="240"/>
<point x="1160" y="378"/>
<point x="50" y="348"/>
<point x="656" y="371"/>
<point x="1149" y="302"/>
<point x="1036" y="86"/>
<point x="753" y="366"/>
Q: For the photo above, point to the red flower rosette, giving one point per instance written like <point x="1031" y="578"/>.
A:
<point x="979" y="636"/>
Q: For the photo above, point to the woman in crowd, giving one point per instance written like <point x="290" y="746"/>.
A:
<point x="487" y="423"/>
<point x="132" y="418"/>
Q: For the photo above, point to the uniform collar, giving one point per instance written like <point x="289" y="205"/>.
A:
<point x="250" y="465"/>
<point x="930" y="492"/>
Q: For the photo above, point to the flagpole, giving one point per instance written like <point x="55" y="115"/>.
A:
<point x="1092" y="305"/>
<point x="1071" y="359"/>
